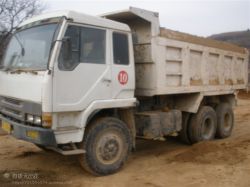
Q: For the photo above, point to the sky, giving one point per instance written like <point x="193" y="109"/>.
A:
<point x="198" y="17"/>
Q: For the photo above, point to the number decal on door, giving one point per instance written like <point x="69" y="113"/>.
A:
<point x="123" y="77"/>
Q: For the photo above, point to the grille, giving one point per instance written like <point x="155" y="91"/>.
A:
<point x="12" y="108"/>
<point x="16" y="110"/>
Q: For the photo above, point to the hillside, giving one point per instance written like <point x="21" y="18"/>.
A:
<point x="241" y="38"/>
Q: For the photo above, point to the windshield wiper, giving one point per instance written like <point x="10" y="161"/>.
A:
<point x="21" y="45"/>
<point x="12" y="59"/>
<point x="24" y="70"/>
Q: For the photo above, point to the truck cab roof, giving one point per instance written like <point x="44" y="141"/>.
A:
<point x="80" y="18"/>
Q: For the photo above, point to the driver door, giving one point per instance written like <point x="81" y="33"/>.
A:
<point x="83" y="72"/>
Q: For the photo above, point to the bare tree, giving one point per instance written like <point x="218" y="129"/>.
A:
<point x="12" y="13"/>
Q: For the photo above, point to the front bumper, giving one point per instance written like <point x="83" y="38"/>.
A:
<point x="46" y="137"/>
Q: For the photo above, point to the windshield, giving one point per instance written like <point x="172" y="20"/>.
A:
<point x="30" y="48"/>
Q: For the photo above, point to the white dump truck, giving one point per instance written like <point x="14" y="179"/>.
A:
<point x="86" y="85"/>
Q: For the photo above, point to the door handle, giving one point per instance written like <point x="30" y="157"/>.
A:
<point x="106" y="80"/>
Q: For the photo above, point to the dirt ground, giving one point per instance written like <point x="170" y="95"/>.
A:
<point x="155" y="163"/>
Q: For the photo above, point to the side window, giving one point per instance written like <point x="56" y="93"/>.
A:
<point x="120" y="48"/>
<point x="68" y="60"/>
<point x="93" y="44"/>
<point x="82" y="45"/>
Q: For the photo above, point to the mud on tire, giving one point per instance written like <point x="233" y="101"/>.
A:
<point x="107" y="142"/>
<point x="225" y="120"/>
<point x="202" y="125"/>
<point x="183" y="134"/>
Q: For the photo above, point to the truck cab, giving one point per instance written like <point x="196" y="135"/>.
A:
<point x="59" y="69"/>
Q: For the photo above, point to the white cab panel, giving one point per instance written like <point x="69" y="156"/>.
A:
<point x="75" y="90"/>
<point x="123" y="76"/>
<point x="23" y="86"/>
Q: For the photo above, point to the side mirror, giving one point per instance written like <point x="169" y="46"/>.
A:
<point x="66" y="49"/>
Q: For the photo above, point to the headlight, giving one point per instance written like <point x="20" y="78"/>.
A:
<point x="33" y="119"/>
<point x="37" y="120"/>
<point x="30" y="118"/>
<point x="45" y="120"/>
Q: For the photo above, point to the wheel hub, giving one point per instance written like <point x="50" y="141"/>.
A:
<point x="207" y="129"/>
<point x="227" y="122"/>
<point x="109" y="148"/>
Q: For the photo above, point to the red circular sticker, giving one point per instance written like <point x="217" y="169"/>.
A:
<point x="123" y="77"/>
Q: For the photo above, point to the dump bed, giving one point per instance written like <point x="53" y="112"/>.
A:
<point x="171" y="62"/>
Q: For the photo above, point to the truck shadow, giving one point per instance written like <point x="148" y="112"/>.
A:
<point x="46" y="161"/>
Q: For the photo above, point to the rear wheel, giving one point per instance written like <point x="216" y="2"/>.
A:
<point x="225" y="119"/>
<point x="183" y="135"/>
<point x="203" y="125"/>
<point x="108" y="143"/>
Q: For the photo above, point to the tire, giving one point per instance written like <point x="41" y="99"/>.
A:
<point x="225" y="120"/>
<point x="183" y="134"/>
<point x="203" y="125"/>
<point x="107" y="143"/>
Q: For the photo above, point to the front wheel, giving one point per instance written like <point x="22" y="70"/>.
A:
<point x="107" y="142"/>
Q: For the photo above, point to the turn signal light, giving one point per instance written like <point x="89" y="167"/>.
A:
<point x="47" y="120"/>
